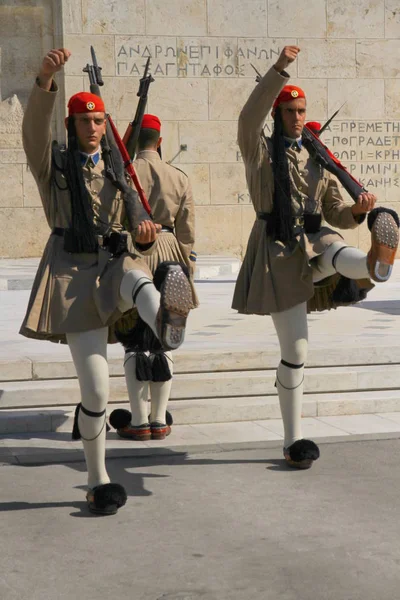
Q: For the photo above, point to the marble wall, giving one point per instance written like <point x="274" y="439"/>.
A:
<point x="201" y="54"/>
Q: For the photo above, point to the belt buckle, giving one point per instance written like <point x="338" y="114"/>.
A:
<point x="100" y="241"/>
<point x="299" y="221"/>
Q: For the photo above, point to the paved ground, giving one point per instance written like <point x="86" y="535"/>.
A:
<point x="233" y="525"/>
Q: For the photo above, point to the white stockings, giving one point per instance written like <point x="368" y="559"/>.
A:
<point x="139" y="392"/>
<point x="292" y="330"/>
<point x="89" y="353"/>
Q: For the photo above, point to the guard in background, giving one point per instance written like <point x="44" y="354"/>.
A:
<point x="148" y="368"/>
<point x="87" y="279"/>
<point x="294" y="262"/>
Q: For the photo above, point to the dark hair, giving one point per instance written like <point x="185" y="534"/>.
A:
<point x="280" y="225"/>
<point x="148" y="137"/>
<point x="81" y="235"/>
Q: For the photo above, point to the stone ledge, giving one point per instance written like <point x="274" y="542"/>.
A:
<point x="210" y="361"/>
<point x="212" y="411"/>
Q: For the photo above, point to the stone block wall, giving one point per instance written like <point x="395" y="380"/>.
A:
<point x="201" y="54"/>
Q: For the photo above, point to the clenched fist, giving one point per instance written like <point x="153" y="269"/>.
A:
<point x="287" y="56"/>
<point x="52" y="62"/>
<point x="147" y="232"/>
<point x="365" y="203"/>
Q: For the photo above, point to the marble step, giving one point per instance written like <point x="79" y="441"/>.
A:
<point x="26" y="369"/>
<point x="191" y="386"/>
<point x="212" y="410"/>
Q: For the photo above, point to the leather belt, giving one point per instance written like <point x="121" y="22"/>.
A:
<point x="116" y="243"/>
<point x="311" y="222"/>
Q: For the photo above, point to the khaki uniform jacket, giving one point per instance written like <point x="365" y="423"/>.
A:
<point x="275" y="276"/>
<point x="170" y="196"/>
<point x="71" y="292"/>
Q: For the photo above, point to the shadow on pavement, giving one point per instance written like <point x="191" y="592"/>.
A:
<point x="120" y="470"/>
<point x="389" y="307"/>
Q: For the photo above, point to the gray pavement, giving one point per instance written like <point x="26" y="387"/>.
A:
<point x="235" y="525"/>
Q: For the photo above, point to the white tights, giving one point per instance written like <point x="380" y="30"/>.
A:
<point x="292" y="330"/>
<point x="138" y="392"/>
<point x="350" y="262"/>
<point x="89" y="353"/>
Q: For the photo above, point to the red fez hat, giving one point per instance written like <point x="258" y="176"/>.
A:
<point x="85" y="102"/>
<point x="314" y="126"/>
<point x="289" y="92"/>
<point x="151" y="122"/>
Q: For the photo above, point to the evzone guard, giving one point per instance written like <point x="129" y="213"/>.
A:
<point x="294" y="262"/>
<point x="87" y="278"/>
<point x="149" y="367"/>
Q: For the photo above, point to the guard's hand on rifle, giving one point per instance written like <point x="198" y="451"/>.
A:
<point x="287" y="56"/>
<point x="365" y="203"/>
<point x="52" y="62"/>
<point x="147" y="232"/>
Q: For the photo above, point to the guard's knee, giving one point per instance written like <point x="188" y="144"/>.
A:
<point x="296" y="354"/>
<point x="76" y="434"/>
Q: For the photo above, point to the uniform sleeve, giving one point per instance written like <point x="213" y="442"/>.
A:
<point x="145" y="249"/>
<point x="255" y="111"/>
<point x="336" y="212"/>
<point x="185" y="222"/>
<point x="36" y="132"/>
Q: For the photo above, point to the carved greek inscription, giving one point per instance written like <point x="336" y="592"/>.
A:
<point x="369" y="150"/>
<point x="189" y="60"/>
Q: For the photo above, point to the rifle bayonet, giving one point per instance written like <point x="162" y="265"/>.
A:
<point x="331" y="119"/>
<point x="96" y="68"/>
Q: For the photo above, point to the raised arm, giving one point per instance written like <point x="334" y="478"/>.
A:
<point x="36" y="126"/>
<point x="259" y="104"/>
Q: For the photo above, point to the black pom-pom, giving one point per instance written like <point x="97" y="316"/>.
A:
<point x="348" y="292"/>
<point x="381" y="209"/>
<point x="109" y="495"/>
<point x="76" y="434"/>
<point x="133" y="340"/>
<point x="304" y="450"/>
<point x="168" y="418"/>
<point x="160" y="367"/>
<point x="139" y="339"/>
<point x="144" y="371"/>
<point x="119" y="418"/>
<point x="162" y="270"/>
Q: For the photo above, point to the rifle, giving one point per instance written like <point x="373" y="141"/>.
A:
<point x="131" y="136"/>
<point x="323" y="156"/>
<point x="115" y="155"/>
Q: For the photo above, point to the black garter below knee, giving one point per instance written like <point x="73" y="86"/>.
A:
<point x="290" y="366"/>
<point x="139" y="340"/>
<point x="76" y="434"/>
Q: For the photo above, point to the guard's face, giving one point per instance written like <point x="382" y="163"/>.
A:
<point x="293" y="117"/>
<point x="90" y="128"/>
